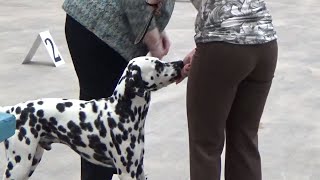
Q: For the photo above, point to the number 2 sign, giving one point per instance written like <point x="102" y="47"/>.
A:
<point x="51" y="47"/>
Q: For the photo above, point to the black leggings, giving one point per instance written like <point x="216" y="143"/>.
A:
<point x="98" y="68"/>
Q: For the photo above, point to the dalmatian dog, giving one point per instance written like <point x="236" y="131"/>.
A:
<point x="107" y="132"/>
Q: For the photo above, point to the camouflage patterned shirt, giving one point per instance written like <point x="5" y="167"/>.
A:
<point x="233" y="21"/>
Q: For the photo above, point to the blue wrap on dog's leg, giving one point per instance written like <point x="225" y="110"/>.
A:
<point x="7" y="126"/>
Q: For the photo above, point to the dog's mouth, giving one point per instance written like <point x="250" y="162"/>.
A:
<point x="178" y="66"/>
<point x="164" y="73"/>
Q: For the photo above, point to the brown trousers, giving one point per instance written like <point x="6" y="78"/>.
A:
<point x="227" y="89"/>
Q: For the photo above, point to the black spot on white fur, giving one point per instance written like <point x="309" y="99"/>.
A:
<point x="18" y="159"/>
<point x="10" y="166"/>
<point x="68" y="104"/>
<point x="6" y="144"/>
<point x="60" y="107"/>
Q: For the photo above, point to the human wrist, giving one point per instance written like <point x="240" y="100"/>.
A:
<point x="152" y="39"/>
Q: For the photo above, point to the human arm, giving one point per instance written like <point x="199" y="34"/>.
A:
<point x="157" y="43"/>
<point x="145" y="31"/>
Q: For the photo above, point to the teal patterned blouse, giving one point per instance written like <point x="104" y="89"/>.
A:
<point x="118" y="22"/>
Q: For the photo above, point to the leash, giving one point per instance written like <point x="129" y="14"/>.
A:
<point x="145" y="28"/>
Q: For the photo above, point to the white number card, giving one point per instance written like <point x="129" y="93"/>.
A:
<point x="51" y="47"/>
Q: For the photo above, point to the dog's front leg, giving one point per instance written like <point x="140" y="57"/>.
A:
<point x="142" y="176"/>
<point x="131" y="165"/>
<point x="140" y="168"/>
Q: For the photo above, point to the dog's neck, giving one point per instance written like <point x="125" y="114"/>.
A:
<point x="128" y="104"/>
<point x="131" y="90"/>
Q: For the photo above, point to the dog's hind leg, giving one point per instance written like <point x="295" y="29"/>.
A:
<point x="36" y="159"/>
<point x="19" y="157"/>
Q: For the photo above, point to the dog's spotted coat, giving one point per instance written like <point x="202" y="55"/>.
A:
<point x="107" y="132"/>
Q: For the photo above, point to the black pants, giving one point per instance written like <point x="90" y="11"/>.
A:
<point x="98" y="68"/>
<point x="227" y="89"/>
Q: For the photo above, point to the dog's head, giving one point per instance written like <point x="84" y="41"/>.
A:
<point x="150" y="74"/>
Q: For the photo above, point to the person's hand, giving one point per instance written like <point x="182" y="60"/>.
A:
<point x="187" y="61"/>
<point x="157" y="43"/>
<point x="156" y="4"/>
<point x="165" y="42"/>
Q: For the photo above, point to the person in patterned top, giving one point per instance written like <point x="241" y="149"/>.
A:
<point x="231" y="72"/>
